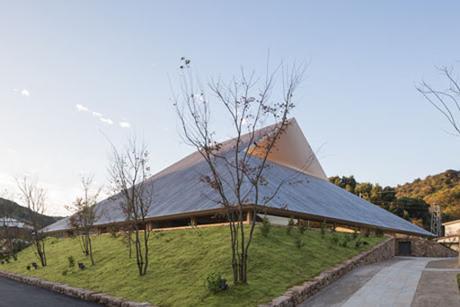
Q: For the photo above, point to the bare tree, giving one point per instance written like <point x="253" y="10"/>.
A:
<point x="128" y="173"/>
<point x="34" y="197"/>
<point x="237" y="169"/>
<point x="446" y="101"/>
<point x="85" y="216"/>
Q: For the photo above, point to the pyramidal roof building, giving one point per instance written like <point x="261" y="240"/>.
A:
<point x="181" y="198"/>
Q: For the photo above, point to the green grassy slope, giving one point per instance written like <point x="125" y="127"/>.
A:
<point x="181" y="260"/>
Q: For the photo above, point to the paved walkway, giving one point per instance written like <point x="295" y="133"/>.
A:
<point x="438" y="285"/>
<point x="403" y="281"/>
<point x="14" y="294"/>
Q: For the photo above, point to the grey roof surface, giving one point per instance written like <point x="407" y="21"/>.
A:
<point x="179" y="189"/>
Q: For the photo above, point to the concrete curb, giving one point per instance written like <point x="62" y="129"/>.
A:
<point x="83" y="294"/>
<point x="297" y="294"/>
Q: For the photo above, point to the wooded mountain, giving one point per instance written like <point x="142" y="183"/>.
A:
<point x="412" y="200"/>
<point x="11" y="209"/>
<point x="442" y="189"/>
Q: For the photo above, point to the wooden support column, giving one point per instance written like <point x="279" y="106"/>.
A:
<point x="249" y="217"/>
<point x="149" y="226"/>
<point x="193" y="221"/>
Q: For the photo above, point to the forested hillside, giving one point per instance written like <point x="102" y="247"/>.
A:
<point x="442" y="189"/>
<point x="411" y="201"/>
<point x="11" y="209"/>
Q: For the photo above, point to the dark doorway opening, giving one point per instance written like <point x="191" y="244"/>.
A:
<point x="404" y="248"/>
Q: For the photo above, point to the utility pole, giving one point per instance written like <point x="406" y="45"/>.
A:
<point x="436" y="222"/>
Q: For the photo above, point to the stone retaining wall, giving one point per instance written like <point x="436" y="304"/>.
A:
<point x="298" y="294"/>
<point x="421" y="247"/>
<point x="82" y="294"/>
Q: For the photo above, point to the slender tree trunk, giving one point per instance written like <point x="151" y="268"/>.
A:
<point x="139" y="253"/>
<point x="146" y="251"/>
<point x="128" y="234"/>
<point x="90" y="249"/>
<point x="40" y="246"/>
<point x="233" y="244"/>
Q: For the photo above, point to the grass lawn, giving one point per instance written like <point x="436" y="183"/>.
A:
<point x="180" y="261"/>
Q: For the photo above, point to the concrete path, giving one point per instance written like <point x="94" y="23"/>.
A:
<point x="438" y="285"/>
<point x="14" y="294"/>
<point x="403" y="281"/>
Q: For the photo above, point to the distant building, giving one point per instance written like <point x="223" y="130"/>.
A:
<point x="181" y="198"/>
<point x="13" y="223"/>
<point x="451" y="233"/>
<point x="15" y="228"/>
<point x="451" y="228"/>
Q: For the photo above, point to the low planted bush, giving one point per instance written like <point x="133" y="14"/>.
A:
<point x="302" y="226"/>
<point x="265" y="227"/>
<point x="355" y="234"/>
<point x="323" y="228"/>
<point x="299" y="243"/>
<point x="335" y="239"/>
<point x="71" y="262"/>
<point x="215" y="282"/>
<point x="290" y="225"/>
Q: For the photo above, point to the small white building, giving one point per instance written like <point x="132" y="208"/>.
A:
<point x="451" y="233"/>
<point x="13" y="223"/>
<point x="451" y="228"/>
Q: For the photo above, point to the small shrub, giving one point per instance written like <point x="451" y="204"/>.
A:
<point x="64" y="273"/>
<point x="81" y="266"/>
<point x="335" y="239"/>
<point x="323" y="228"/>
<point x="215" y="282"/>
<point x="113" y="232"/>
<point x="344" y="243"/>
<point x="71" y="262"/>
<point x="355" y="234"/>
<point x="265" y="227"/>
<point x="299" y="243"/>
<point x="302" y="226"/>
<point x="34" y="265"/>
<point x="28" y="268"/>
<point x="367" y="232"/>
<point x="290" y="225"/>
<point x="358" y="243"/>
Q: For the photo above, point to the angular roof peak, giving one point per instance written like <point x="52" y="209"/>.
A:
<point x="293" y="150"/>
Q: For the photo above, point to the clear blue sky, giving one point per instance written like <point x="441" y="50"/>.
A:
<point x="358" y="102"/>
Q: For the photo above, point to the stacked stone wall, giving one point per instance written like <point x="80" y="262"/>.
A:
<point x="425" y="248"/>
